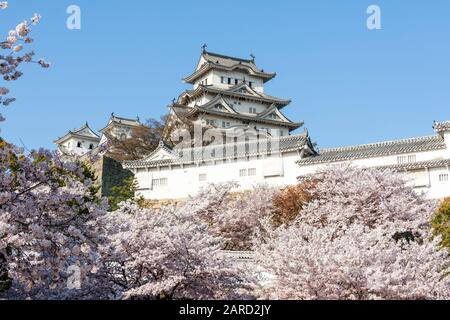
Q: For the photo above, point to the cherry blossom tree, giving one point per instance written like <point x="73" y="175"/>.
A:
<point x="166" y="255"/>
<point x="366" y="236"/>
<point x="48" y="229"/>
<point x="235" y="216"/>
<point x="12" y="57"/>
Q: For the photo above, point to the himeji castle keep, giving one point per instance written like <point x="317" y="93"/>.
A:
<point x="251" y="140"/>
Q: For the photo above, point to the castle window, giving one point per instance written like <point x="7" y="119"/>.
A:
<point x="229" y="80"/>
<point x="443" y="178"/>
<point x="202" y="177"/>
<point x="79" y="145"/>
<point x="243" y="173"/>
<point x="225" y="124"/>
<point x="252" y="110"/>
<point x="222" y="80"/>
<point x="157" y="183"/>
<point x="406" y="159"/>
<point x="250" y="84"/>
<point x="236" y="81"/>
<point x="91" y="146"/>
<point x="281" y="133"/>
<point x="252" y="172"/>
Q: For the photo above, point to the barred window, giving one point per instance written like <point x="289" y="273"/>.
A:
<point x="202" y="177"/>
<point x="243" y="173"/>
<point x="252" y="172"/>
<point x="443" y="177"/>
<point x="162" y="182"/>
<point x="412" y="158"/>
<point x="406" y="159"/>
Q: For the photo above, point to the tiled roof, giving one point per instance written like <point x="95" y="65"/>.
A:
<point x="376" y="150"/>
<point x="123" y="121"/>
<point x="219" y="61"/>
<point x="290" y="125"/>
<point x="80" y="133"/>
<point x="437" y="163"/>
<point x="230" y="151"/>
<point x="442" y="126"/>
<point x="231" y="93"/>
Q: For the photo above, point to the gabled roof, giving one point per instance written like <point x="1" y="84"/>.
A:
<point x="201" y="110"/>
<point x="84" y="132"/>
<point x="122" y="121"/>
<point x="373" y="150"/>
<point x="230" y="151"/>
<point x="234" y="92"/>
<point x="219" y="100"/>
<point x="273" y="110"/>
<point x="162" y="152"/>
<point x="227" y="63"/>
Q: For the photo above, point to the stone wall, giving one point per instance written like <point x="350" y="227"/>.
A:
<point x="109" y="173"/>
<point x="112" y="174"/>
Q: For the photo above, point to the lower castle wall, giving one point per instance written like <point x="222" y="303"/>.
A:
<point x="282" y="171"/>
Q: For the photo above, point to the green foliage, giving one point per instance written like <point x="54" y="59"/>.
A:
<point x="125" y="191"/>
<point x="441" y="223"/>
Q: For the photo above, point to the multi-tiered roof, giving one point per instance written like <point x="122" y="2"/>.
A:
<point x="235" y="86"/>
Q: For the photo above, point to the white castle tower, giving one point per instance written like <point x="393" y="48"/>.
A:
<point x="228" y="92"/>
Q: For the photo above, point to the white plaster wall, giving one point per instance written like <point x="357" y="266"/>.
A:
<point x="214" y="78"/>
<point x="71" y="146"/>
<point x="447" y="142"/>
<point x="434" y="190"/>
<point x="184" y="181"/>
<point x="438" y="189"/>
<point x="274" y="130"/>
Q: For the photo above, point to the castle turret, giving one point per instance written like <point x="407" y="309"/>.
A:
<point x="78" y="141"/>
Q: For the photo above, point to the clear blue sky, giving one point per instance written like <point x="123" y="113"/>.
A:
<point x="349" y="84"/>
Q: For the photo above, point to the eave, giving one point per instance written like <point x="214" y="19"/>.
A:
<point x="74" y="135"/>
<point x="201" y="90"/>
<point x="291" y="125"/>
<point x="213" y="66"/>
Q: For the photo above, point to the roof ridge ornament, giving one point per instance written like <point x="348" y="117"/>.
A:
<point x="204" y="46"/>
<point x="253" y="57"/>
